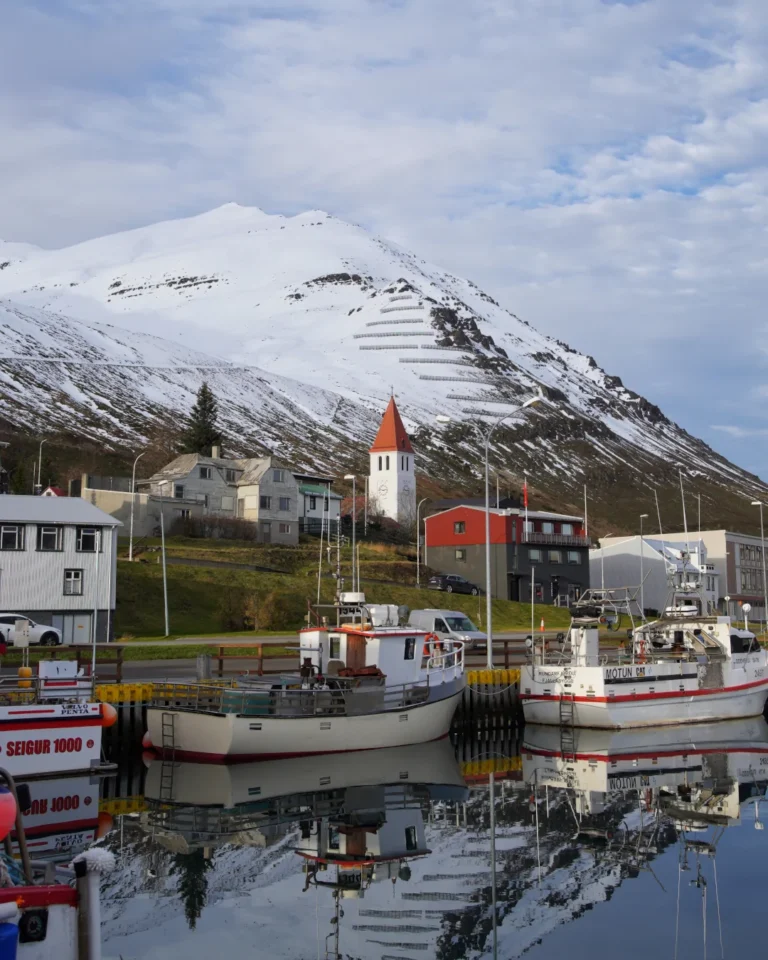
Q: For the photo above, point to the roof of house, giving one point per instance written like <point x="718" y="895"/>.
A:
<point x="449" y="503"/>
<point x="315" y="490"/>
<point x="21" y="509"/>
<point x="392" y="435"/>
<point x="251" y="469"/>
<point x="509" y="512"/>
<point x="54" y="492"/>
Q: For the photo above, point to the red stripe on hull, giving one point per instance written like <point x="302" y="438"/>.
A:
<point x="196" y="756"/>
<point x="33" y="724"/>
<point x="637" y="697"/>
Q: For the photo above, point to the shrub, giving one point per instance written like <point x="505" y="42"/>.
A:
<point x="280" y="610"/>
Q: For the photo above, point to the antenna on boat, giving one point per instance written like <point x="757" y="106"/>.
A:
<point x="685" y="521"/>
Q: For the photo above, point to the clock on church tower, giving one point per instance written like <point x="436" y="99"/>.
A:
<point x="392" y="479"/>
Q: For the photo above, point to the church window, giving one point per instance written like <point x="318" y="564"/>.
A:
<point x="379" y="463"/>
<point x="387" y="461"/>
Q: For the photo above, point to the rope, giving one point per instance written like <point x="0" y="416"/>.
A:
<point x="719" y="921"/>
<point x="677" y="916"/>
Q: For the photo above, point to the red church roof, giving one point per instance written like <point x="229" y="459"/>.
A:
<point x="392" y="435"/>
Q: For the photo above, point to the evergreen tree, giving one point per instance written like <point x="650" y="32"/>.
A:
<point x="191" y="869"/>
<point x="202" y="430"/>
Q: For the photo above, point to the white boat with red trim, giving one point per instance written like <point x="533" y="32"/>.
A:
<point x="683" y="668"/>
<point x="366" y="683"/>
<point x="50" y="724"/>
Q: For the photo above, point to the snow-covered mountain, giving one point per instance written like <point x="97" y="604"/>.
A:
<point x="303" y="326"/>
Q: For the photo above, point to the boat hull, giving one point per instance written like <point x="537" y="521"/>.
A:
<point x="231" y="738"/>
<point x="700" y="708"/>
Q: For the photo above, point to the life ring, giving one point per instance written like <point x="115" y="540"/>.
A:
<point x="431" y="638"/>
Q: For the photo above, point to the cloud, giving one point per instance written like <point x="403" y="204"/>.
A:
<point x="741" y="433"/>
<point x="598" y="167"/>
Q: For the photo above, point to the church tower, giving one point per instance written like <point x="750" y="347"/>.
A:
<point x="392" y="481"/>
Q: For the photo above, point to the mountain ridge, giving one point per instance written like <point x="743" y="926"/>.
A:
<point x="307" y="324"/>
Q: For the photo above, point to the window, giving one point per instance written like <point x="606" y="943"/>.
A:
<point x="566" y="529"/>
<point x="574" y="557"/>
<point x="379" y="463"/>
<point x="265" y="503"/>
<point x="335" y="648"/>
<point x="11" y="537"/>
<point x="229" y="475"/>
<point x="205" y="473"/>
<point x="178" y="491"/>
<point x="285" y="503"/>
<point x="387" y="461"/>
<point x="461" y="624"/>
<point x="313" y="503"/>
<point x="241" y="507"/>
<point x="183" y="514"/>
<point x="547" y="527"/>
<point x="333" y="838"/>
<point x="440" y="626"/>
<point x="535" y="555"/>
<point x="407" y="463"/>
<point x="284" y="528"/>
<point x="87" y="538"/>
<point x="410" y="648"/>
<point x="459" y="527"/>
<point x="555" y="556"/>
<point x="278" y="476"/>
<point x="203" y="499"/>
<point x="411" y="840"/>
<point x="461" y="555"/>
<point x="50" y="539"/>
<point x="73" y="583"/>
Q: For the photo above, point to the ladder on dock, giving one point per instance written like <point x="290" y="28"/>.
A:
<point x="567" y="730"/>
<point x="168" y="729"/>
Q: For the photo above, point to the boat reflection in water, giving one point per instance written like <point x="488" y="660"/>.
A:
<point x="633" y="793"/>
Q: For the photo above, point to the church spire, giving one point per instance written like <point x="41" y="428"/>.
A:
<point x="392" y="435"/>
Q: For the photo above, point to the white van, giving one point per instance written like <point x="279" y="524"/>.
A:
<point x="449" y="624"/>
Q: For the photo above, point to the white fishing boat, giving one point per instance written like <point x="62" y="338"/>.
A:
<point x="686" y="667"/>
<point x="366" y="683"/>
<point x="50" y="723"/>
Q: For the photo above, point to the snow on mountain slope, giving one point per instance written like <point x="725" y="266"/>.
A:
<point x="348" y="316"/>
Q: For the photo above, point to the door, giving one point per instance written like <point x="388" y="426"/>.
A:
<point x="81" y="627"/>
<point x="266" y="531"/>
<point x="355" y="651"/>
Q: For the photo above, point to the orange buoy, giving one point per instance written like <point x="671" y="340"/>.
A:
<point x="7" y="812"/>
<point x="24" y="674"/>
<point x="104" y="825"/>
<point x="108" y="715"/>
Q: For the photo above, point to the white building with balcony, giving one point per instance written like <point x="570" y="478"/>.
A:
<point x="58" y="562"/>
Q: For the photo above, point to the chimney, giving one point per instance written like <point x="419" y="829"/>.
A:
<point x="216" y="451"/>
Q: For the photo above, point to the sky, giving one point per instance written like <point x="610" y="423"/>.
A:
<point x="598" y="166"/>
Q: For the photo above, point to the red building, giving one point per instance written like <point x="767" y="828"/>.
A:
<point x="554" y="545"/>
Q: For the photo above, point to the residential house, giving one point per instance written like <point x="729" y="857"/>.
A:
<point x="539" y="548"/>
<point x="656" y="563"/>
<point x="53" y="492"/>
<point x="319" y="506"/>
<point x="58" y="561"/>
<point x="261" y="490"/>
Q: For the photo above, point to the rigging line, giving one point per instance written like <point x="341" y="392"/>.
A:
<point x="317" y="920"/>
<point x="719" y="921"/>
<point x="677" y="916"/>
<point x="704" y="917"/>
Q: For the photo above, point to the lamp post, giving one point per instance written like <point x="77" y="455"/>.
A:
<point x="602" y="562"/>
<point x="486" y="437"/>
<point x="353" y="478"/>
<point x="759" y="503"/>
<point x="133" y="501"/>
<point x="643" y="516"/>
<point x="40" y="463"/>
<point x="418" y="540"/>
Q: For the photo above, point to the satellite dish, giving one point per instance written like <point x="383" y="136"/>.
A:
<point x="529" y="642"/>
<point x="747" y="607"/>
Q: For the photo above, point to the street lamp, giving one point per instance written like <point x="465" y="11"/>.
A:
<point x="40" y="463"/>
<point x="133" y="501"/>
<point x="643" y="516"/>
<point x="418" y="540"/>
<point x="759" y="503"/>
<point x="602" y="562"/>
<point x="353" y="478"/>
<point x="486" y="437"/>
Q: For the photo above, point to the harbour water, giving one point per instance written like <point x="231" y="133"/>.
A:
<point x="616" y="846"/>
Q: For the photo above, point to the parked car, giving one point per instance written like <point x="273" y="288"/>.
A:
<point x="449" y="624"/>
<point x="452" y="583"/>
<point x="41" y="633"/>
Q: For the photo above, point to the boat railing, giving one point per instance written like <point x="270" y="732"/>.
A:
<point x="335" y="697"/>
<point x="446" y="660"/>
<point x="33" y="689"/>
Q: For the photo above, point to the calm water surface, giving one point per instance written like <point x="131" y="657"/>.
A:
<point x="616" y="846"/>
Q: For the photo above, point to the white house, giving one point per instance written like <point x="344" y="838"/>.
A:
<point x="58" y="562"/>
<point x="319" y="506"/>
<point x="618" y="563"/>
<point x="392" y="477"/>
<point x="258" y="489"/>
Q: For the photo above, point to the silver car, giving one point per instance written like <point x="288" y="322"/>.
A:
<point x="39" y="633"/>
<point x="449" y="625"/>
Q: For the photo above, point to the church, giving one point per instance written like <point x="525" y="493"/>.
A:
<point x="392" y="480"/>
